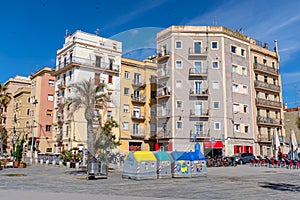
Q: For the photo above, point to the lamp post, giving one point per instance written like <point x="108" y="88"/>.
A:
<point x="32" y="130"/>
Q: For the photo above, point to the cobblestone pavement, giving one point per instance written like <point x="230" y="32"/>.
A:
<point x="49" y="182"/>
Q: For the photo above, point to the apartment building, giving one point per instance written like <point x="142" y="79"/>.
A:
<point x="138" y="105"/>
<point x="13" y="84"/>
<point x="291" y="119"/>
<point x="206" y="90"/>
<point x="84" y="56"/>
<point x="41" y="109"/>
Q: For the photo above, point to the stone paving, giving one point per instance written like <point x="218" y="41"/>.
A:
<point x="49" y="182"/>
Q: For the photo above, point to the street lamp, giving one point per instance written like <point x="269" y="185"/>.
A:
<point x="32" y="131"/>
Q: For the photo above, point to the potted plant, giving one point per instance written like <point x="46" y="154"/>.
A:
<point x="18" y="153"/>
<point x="23" y="164"/>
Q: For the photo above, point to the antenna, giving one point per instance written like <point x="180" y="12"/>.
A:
<point x="97" y="31"/>
<point x="215" y="20"/>
<point x="67" y="32"/>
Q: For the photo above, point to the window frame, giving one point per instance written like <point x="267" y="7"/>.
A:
<point x="214" y="48"/>
<point x="178" y="42"/>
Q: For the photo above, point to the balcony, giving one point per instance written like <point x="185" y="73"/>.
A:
<point x="163" y="73"/>
<point x="139" y="83"/>
<point x="164" y="113"/>
<point x="164" y="93"/>
<point x="199" y="92"/>
<point x="138" y="116"/>
<point x="197" y="52"/>
<point x="61" y="101"/>
<point x="198" y="135"/>
<point x="264" y="138"/>
<point x="195" y="72"/>
<point x="88" y="62"/>
<point x="265" y="69"/>
<point x="61" y="84"/>
<point x="59" y="137"/>
<point x="199" y="113"/>
<point x="268" y="103"/>
<point x="266" y="86"/>
<point x="162" y="55"/>
<point x="268" y="121"/>
<point x="164" y="134"/>
<point x="138" y="134"/>
<point x="138" y="99"/>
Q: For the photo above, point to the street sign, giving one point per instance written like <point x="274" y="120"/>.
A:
<point x="212" y="139"/>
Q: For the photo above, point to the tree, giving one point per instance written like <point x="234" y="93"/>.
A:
<point x="18" y="154"/>
<point x="87" y="94"/>
<point x="4" y="100"/>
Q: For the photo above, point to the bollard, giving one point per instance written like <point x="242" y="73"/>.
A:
<point x="68" y="165"/>
<point x="47" y="162"/>
<point x="60" y="163"/>
<point x="53" y="163"/>
<point x="36" y="161"/>
<point x="41" y="161"/>
<point x="77" y="165"/>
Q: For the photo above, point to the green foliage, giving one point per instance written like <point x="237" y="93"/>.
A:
<point x="19" y="149"/>
<point x="68" y="156"/>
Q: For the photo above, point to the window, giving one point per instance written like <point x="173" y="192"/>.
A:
<point x="265" y="79"/>
<point x="233" y="49"/>
<point x="178" y="45"/>
<point x="109" y="114"/>
<point x="28" y="112"/>
<point x="236" y="108"/>
<point x="234" y="68"/>
<point x="265" y="61"/>
<point x="67" y="131"/>
<point x="245" y="109"/>
<point x="256" y="77"/>
<point x="179" y="84"/>
<point x="126" y="108"/>
<point x="216" y="104"/>
<point x="98" y="61"/>
<point x="127" y="75"/>
<point x="274" y="81"/>
<point x="214" y="45"/>
<point x="125" y="125"/>
<point x="273" y="65"/>
<point x="215" y="64"/>
<point x="255" y="59"/>
<point x="258" y="112"/>
<point x="178" y="104"/>
<point x="198" y="68"/>
<point x="246" y="129"/>
<point x="244" y="72"/>
<point x="237" y="127"/>
<point x="217" y="126"/>
<point x="235" y="88"/>
<point x="126" y="91"/>
<point x="49" y="113"/>
<point x="245" y="90"/>
<point x="153" y="94"/>
<point x="70" y="75"/>
<point x="215" y="85"/>
<point x="197" y="47"/>
<point x="242" y="52"/>
<point x="51" y="82"/>
<point x="50" y="97"/>
<point x="179" y="125"/>
<point x="48" y="128"/>
<point x="110" y="79"/>
<point x="178" y="64"/>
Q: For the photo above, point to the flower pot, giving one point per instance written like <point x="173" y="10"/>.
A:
<point x="16" y="164"/>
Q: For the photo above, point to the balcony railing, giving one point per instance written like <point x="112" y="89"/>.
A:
<point x="198" y="72"/>
<point x="140" y="116"/>
<point x="267" y="86"/>
<point x="163" y="93"/>
<point x="268" y="103"/>
<point x="164" y="134"/>
<point x="264" y="68"/>
<point x="198" y="134"/>
<point x="138" y="134"/>
<point x="199" y="113"/>
<point x="138" y="83"/>
<point x="109" y="67"/>
<point x="163" y="73"/>
<point x="269" y="121"/>
<point x="138" y="99"/>
<point x="198" y="52"/>
<point x="164" y="113"/>
<point x="264" y="138"/>
<point x="198" y="92"/>
<point x="164" y="54"/>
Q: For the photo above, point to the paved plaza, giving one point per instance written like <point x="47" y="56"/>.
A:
<point x="49" y="182"/>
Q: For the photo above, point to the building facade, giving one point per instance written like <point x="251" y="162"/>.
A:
<point x="138" y="105"/>
<point x="13" y="84"/>
<point x="291" y="120"/>
<point x="42" y="110"/>
<point x="84" y="56"/>
<point x="206" y="90"/>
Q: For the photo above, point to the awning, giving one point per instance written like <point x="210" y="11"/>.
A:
<point x="215" y="145"/>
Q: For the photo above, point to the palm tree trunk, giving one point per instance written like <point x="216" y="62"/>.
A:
<point x="90" y="141"/>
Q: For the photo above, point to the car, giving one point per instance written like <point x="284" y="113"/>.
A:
<point x="243" y="158"/>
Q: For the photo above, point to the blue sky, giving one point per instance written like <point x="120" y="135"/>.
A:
<point x="32" y="31"/>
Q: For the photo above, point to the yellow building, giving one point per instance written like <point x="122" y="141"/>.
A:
<point x="137" y="105"/>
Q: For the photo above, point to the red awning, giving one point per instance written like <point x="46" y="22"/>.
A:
<point x="215" y="145"/>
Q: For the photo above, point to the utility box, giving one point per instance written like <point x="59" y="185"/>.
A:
<point x="181" y="164"/>
<point x="164" y="168"/>
<point x="140" y="165"/>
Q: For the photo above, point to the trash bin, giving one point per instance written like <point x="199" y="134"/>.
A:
<point x="164" y="169"/>
<point x="96" y="169"/>
<point x="140" y="165"/>
<point x="181" y="164"/>
<point x="198" y="164"/>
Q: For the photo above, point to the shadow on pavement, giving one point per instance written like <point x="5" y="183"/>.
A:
<point x="280" y="186"/>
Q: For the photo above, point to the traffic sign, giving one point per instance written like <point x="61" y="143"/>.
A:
<point x="212" y="139"/>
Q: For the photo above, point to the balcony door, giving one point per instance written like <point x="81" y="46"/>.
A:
<point x="136" y="112"/>
<point x="197" y="47"/>
<point x="198" y="87"/>
<point x="198" y="67"/>
<point x="198" y="108"/>
<point x="199" y="129"/>
<point x="136" y="129"/>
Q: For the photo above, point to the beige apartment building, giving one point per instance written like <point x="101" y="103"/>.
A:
<point x="41" y="109"/>
<point x="13" y="85"/>
<point x="137" y="105"/>
<point x="219" y="88"/>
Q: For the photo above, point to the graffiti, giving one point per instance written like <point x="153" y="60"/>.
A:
<point x="182" y="167"/>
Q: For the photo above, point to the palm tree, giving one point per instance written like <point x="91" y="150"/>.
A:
<point x="87" y="94"/>
<point x="4" y="100"/>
